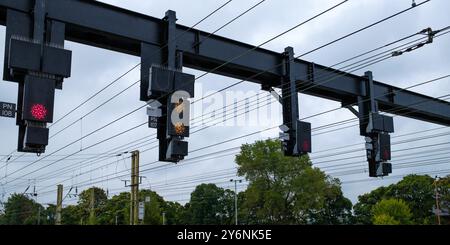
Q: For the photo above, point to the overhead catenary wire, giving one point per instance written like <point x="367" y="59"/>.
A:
<point x="129" y="70"/>
<point x="116" y="148"/>
<point x="362" y="29"/>
<point x="122" y="91"/>
<point x="152" y="163"/>
<point x="327" y="167"/>
<point x="334" y="41"/>
<point x="207" y="177"/>
<point x="163" y="165"/>
<point x="145" y="105"/>
<point x="260" y="45"/>
<point x="395" y="176"/>
<point x="137" y="65"/>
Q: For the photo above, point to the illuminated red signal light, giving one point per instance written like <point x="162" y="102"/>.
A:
<point x="386" y="155"/>
<point x="38" y="111"/>
<point x="306" y="146"/>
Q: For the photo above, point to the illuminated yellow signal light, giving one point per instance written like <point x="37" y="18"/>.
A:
<point x="179" y="128"/>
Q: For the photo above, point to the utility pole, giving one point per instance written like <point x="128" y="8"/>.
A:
<point x="134" y="188"/>
<point x="59" y="204"/>
<point x="235" y="199"/>
<point x="436" y="196"/>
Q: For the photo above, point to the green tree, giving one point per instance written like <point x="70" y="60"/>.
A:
<point x="337" y="209"/>
<point x="210" y="204"/>
<point x="363" y="208"/>
<point x="391" y="212"/>
<point x="174" y="213"/>
<point x="85" y="204"/>
<point x="21" y="210"/>
<point x="153" y="209"/>
<point x="384" y="219"/>
<point x="443" y="189"/>
<point x="50" y="213"/>
<point x="417" y="191"/>
<point x="71" y="215"/>
<point x="117" y="207"/>
<point x="286" y="190"/>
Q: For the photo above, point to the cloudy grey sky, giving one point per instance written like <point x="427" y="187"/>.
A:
<point x="93" y="68"/>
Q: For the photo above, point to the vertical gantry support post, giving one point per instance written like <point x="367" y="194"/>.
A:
<point x="169" y="57"/>
<point x="376" y="128"/>
<point x="172" y="64"/>
<point x="298" y="141"/>
<point x="289" y="102"/>
<point x="170" y="39"/>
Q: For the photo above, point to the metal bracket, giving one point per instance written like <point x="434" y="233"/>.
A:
<point x="352" y="110"/>
<point x="137" y="184"/>
<point x="276" y="95"/>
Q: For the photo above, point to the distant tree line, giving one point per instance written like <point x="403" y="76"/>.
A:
<point x="281" y="190"/>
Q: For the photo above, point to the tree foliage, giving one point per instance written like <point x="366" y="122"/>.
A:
<point x="19" y="209"/>
<point x="92" y="203"/>
<point x="417" y="191"/>
<point x="391" y="212"/>
<point x="153" y="209"/>
<point x="280" y="190"/>
<point x="210" y="204"/>
<point x="287" y="190"/>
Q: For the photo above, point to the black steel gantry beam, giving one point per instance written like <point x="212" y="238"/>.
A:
<point x="105" y="26"/>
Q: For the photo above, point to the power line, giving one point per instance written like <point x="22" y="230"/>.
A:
<point x="313" y="17"/>
<point x="339" y="39"/>
<point x="145" y="144"/>
<point x="96" y="108"/>
<point x="234" y="19"/>
<point x="395" y="176"/>
<point x="131" y="69"/>
<point x="258" y="46"/>
<point x="229" y="22"/>
<point x="271" y="128"/>
<point x="137" y="65"/>
<point x="188" y="161"/>
<point x="162" y="96"/>
<point x="361" y="29"/>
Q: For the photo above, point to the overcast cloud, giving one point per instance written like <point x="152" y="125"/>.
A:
<point x="93" y="68"/>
